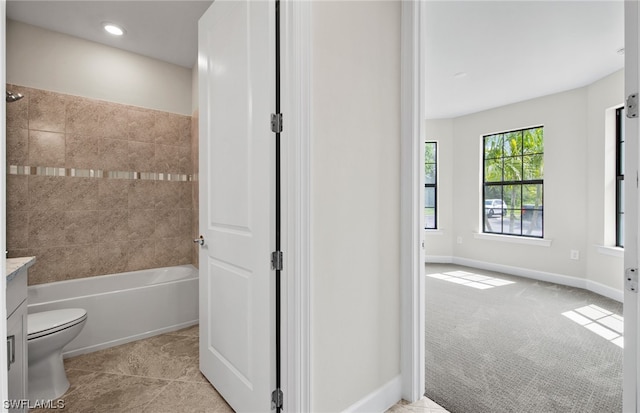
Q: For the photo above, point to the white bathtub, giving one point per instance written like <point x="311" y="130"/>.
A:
<point x="123" y="307"/>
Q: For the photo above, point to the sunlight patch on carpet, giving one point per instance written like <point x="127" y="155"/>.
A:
<point x="481" y="282"/>
<point x="604" y="323"/>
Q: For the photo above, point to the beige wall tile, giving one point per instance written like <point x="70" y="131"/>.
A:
<point x="46" y="149"/>
<point x="113" y="194"/>
<point x="84" y="117"/>
<point x="141" y="157"/>
<point x="47" y="111"/>
<point x="112" y="257"/>
<point x="167" y="223"/>
<point x="168" y="195"/>
<point x="80" y="261"/>
<point x="113" y="226"/>
<point x="17" y="146"/>
<point x="80" y="193"/>
<point x="18" y="111"/>
<point x="82" y="151"/>
<point x="142" y="224"/>
<point x="186" y="223"/>
<point x="46" y="193"/>
<point x="141" y="125"/>
<point x="142" y="194"/>
<point x="50" y="264"/>
<point x="173" y="251"/>
<point x="114" y="154"/>
<point x="81" y="227"/>
<point x="184" y="160"/>
<point x="185" y="195"/>
<point x="173" y="129"/>
<point x="46" y="228"/>
<point x="114" y="121"/>
<point x="167" y="159"/>
<point x="17" y="193"/>
<point x="17" y="230"/>
<point x="140" y="255"/>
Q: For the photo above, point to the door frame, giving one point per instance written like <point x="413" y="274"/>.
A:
<point x="4" y="390"/>
<point x="632" y="200"/>
<point x="297" y="281"/>
<point x="295" y="89"/>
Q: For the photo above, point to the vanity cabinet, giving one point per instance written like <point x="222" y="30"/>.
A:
<point x="17" y="332"/>
<point x="17" y="355"/>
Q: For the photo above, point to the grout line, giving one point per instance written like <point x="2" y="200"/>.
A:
<point x="160" y="391"/>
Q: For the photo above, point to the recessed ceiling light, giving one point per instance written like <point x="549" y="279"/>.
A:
<point x="113" y="29"/>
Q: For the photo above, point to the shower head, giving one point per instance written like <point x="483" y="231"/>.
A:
<point x="12" y="97"/>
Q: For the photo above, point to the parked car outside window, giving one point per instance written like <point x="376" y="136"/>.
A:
<point x="494" y="207"/>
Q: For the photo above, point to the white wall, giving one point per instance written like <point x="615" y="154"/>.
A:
<point x="603" y="97"/>
<point x="577" y="188"/>
<point x="355" y="193"/>
<point x="58" y="62"/>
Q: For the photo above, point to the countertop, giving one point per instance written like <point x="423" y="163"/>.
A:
<point x="14" y="265"/>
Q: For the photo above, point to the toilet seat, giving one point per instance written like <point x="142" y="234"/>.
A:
<point x="49" y="322"/>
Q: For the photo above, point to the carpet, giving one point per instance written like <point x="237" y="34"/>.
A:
<point x="508" y="347"/>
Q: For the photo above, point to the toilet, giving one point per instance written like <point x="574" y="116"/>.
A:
<point x="48" y="333"/>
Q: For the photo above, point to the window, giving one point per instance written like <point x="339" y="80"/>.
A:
<point x="512" y="189"/>
<point x="620" y="177"/>
<point x="430" y="185"/>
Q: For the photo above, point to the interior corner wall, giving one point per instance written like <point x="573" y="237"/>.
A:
<point x="355" y="195"/>
<point x="439" y="243"/>
<point x="603" y="95"/>
<point x="48" y="60"/>
<point x="575" y="190"/>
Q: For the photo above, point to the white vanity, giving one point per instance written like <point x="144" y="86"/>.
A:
<point x="17" y="327"/>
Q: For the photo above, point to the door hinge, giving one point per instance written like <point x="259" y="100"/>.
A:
<point x="632" y="106"/>
<point x="631" y="280"/>
<point x="276" y="399"/>
<point x="276" y="122"/>
<point x="276" y="260"/>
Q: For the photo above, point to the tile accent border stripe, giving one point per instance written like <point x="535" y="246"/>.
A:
<point x="97" y="173"/>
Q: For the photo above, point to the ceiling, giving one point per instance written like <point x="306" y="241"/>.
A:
<point x="479" y="54"/>
<point x="516" y="50"/>
<point x="164" y="30"/>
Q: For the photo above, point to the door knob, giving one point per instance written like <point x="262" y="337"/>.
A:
<point x="199" y="240"/>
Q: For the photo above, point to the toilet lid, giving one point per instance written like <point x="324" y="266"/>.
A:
<point x="47" y="322"/>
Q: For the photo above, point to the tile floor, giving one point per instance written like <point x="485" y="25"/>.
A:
<point x="157" y="374"/>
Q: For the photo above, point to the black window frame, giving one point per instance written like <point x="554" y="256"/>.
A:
<point x="535" y="210"/>
<point x="433" y="185"/>
<point x="620" y="147"/>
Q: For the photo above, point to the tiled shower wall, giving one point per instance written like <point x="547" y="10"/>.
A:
<point x="107" y="188"/>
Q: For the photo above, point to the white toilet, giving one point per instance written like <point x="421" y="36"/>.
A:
<point x="48" y="333"/>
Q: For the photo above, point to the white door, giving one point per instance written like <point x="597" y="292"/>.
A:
<point x="236" y="97"/>
<point x="631" y="250"/>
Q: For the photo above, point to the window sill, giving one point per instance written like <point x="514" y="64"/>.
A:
<point x="613" y="251"/>
<point x="433" y="232"/>
<point x="541" y="242"/>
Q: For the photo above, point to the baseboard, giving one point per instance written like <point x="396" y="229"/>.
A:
<point x="567" y="280"/>
<point x="605" y="290"/>
<point x="380" y="400"/>
<point x="438" y="259"/>
<point x="129" y="339"/>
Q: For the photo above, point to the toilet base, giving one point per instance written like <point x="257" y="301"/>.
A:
<point x="47" y="378"/>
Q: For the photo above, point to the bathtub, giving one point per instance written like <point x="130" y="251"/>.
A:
<point x="123" y="307"/>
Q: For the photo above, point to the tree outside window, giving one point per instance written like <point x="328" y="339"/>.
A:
<point x="513" y="183"/>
